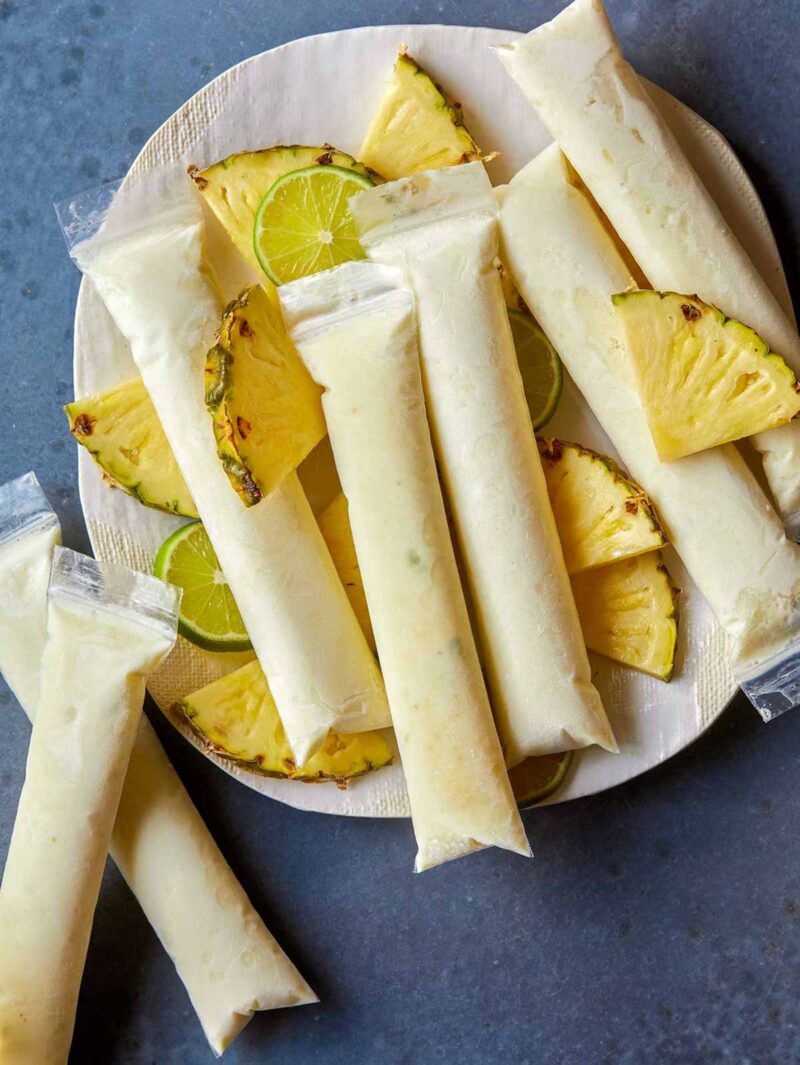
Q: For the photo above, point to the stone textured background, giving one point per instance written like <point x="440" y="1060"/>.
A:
<point x="661" y="921"/>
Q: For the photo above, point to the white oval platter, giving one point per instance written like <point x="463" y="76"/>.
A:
<point x="324" y="89"/>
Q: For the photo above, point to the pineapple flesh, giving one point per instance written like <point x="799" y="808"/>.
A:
<point x="704" y="379"/>
<point x="266" y="409"/>
<point x="601" y="515"/>
<point x="121" y="431"/>
<point x="234" y="187"/>
<point x="627" y="613"/>
<point x="334" y="524"/>
<point x="417" y="126"/>
<point x="236" y="717"/>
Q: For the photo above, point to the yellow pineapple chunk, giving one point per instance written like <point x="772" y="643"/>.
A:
<point x="237" y="718"/>
<point x="704" y="379"/>
<point x="266" y="409"/>
<point x="121" y="431"/>
<point x="417" y="126"/>
<point x="627" y="613"/>
<point x="601" y="515"/>
<point x="334" y="524"/>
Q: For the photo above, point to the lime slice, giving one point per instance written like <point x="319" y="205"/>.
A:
<point x="540" y="367"/>
<point x="209" y="616"/>
<point x="304" y="225"/>
<point x="536" y="778"/>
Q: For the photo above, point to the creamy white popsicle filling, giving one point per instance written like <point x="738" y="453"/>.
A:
<point x="573" y="72"/>
<point x="356" y="331"/>
<point x="732" y="542"/>
<point x="107" y="630"/>
<point x="159" y="843"/>
<point x="321" y="672"/>
<point x="440" y="227"/>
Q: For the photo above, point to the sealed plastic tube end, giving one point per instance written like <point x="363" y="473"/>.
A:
<point x="23" y="506"/>
<point x="773" y="685"/>
<point x="110" y="586"/>
<point x="81" y="216"/>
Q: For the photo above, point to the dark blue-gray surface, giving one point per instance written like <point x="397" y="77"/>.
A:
<point x="660" y="922"/>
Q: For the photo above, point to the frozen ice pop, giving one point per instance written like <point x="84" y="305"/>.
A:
<point x="159" y="843"/>
<point x="440" y="228"/>
<point x="152" y="278"/>
<point x="573" y="72"/>
<point x="730" y="539"/>
<point x="107" y="630"/>
<point x="356" y="330"/>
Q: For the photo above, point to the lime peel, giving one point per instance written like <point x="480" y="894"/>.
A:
<point x="209" y="617"/>
<point x="303" y="224"/>
<point x="540" y="367"/>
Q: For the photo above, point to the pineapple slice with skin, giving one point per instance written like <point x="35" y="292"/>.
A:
<point x="628" y="613"/>
<point x="704" y="379"/>
<point x="334" y="524"/>
<point x="417" y="126"/>
<point x="237" y="719"/>
<point x="266" y="409"/>
<point x="234" y="187"/>
<point x="121" y="431"/>
<point x="601" y="515"/>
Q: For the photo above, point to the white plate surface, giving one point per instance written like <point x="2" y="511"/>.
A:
<point x="323" y="89"/>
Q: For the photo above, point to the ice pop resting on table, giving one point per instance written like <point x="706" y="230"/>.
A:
<point x="356" y="331"/>
<point x="729" y="538"/>
<point x="440" y="229"/>
<point x="159" y="843"/>
<point x="107" y="629"/>
<point x="150" y="271"/>
<point x="573" y="72"/>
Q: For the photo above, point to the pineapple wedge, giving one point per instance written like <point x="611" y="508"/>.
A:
<point x="236" y="718"/>
<point x="704" y="379"/>
<point x="627" y="613"/>
<point x="334" y="524"/>
<point x="417" y="126"/>
<point x="266" y="410"/>
<point x="121" y="431"/>
<point x="601" y="515"/>
<point x="234" y="187"/>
